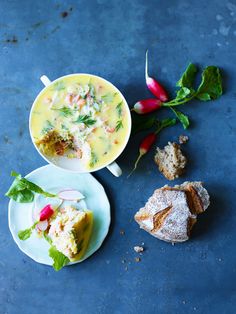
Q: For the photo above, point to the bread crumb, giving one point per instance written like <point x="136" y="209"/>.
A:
<point x="122" y="232"/>
<point x="137" y="259"/>
<point x="183" y="139"/>
<point x="123" y="261"/>
<point x="170" y="161"/>
<point x="138" y="249"/>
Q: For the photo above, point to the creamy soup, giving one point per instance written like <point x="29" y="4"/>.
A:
<point x="80" y="117"/>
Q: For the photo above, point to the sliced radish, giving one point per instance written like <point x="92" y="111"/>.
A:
<point x="70" y="195"/>
<point x="42" y="225"/>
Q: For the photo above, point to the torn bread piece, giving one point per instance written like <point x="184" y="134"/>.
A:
<point x="171" y="212"/>
<point x="170" y="161"/>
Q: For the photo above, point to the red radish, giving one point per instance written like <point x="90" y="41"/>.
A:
<point x="70" y="195"/>
<point x="156" y="88"/>
<point x="147" y="105"/>
<point x="46" y="212"/>
<point x="149" y="140"/>
<point x="144" y="147"/>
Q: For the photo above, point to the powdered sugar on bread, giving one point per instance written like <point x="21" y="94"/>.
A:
<point x="169" y="214"/>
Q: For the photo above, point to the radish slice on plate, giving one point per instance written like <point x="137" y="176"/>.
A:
<point x="70" y="195"/>
<point x="42" y="225"/>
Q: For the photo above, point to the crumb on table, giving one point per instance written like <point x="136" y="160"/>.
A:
<point x="183" y="139"/>
<point x="122" y="232"/>
<point x="138" y="249"/>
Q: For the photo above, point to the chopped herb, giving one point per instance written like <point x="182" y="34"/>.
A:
<point x="64" y="127"/>
<point x="64" y="111"/>
<point x="58" y="86"/>
<point x="108" y="98"/>
<point x="119" y="125"/>
<point x="91" y="90"/>
<point x="97" y="106"/>
<point x="119" y="109"/>
<point x="48" y="127"/>
<point x="86" y="119"/>
<point x="93" y="160"/>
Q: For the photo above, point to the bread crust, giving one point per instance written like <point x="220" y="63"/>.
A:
<point x="171" y="212"/>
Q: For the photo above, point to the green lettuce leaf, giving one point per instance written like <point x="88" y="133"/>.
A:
<point x="59" y="259"/>
<point x="22" y="190"/>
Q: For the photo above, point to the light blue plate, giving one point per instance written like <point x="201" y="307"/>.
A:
<point x="53" y="179"/>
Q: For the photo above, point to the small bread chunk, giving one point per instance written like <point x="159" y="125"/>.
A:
<point x="171" y="212"/>
<point x="183" y="139"/>
<point x="171" y="161"/>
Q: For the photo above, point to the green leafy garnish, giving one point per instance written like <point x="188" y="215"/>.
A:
<point x="59" y="259"/>
<point x="93" y="160"/>
<point x="25" y="234"/>
<point x="46" y="237"/>
<point x="211" y="85"/>
<point x="182" y="118"/>
<point x="86" y="119"/>
<point x="108" y="98"/>
<point x="65" y="111"/>
<point x="91" y="90"/>
<point x="22" y="190"/>
<point x="119" y="125"/>
<point x="58" y="86"/>
<point x="119" y="109"/>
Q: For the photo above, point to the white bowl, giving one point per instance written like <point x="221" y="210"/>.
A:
<point x="73" y="164"/>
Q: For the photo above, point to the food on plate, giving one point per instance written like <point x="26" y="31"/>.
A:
<point x="170" y="161"/>
<point x="183" y="139"/>
<point x="70" y="232"/>
<point x="67" y="229"/>
<point x="81" y="117"/>
<point x="171" y="212"/>
<point x="23" y="191"/>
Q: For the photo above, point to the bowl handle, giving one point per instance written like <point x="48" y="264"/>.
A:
<point x="114" y="169"/>
<point x="45" y="80"/>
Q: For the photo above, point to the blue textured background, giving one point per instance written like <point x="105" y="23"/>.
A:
<point x="109" y="38"/>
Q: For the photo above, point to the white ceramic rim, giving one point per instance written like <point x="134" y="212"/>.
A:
<point x="128" y="133"/>
<point x="30" y="255"/>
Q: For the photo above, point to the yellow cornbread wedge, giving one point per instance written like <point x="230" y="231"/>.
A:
<point x="70" y="232"/>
